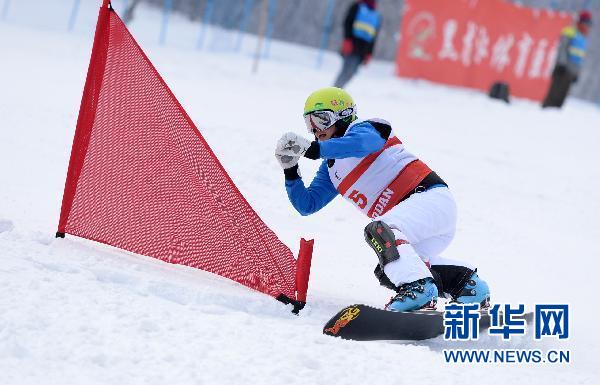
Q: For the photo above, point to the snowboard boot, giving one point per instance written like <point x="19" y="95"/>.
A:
<point x="421" y="294"/>
<point x="476" y="290"/>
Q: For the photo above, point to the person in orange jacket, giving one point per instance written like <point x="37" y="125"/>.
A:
<point x="361" y="26"/>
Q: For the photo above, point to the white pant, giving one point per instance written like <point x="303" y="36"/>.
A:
<point x="427" y="221"/>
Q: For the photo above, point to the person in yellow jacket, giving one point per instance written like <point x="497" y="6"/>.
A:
<point x="571" y="53"/>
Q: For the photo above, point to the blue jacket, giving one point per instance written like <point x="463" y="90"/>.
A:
<point x="362" y="45"/>
<point x="366" y="24"/>
<point x="572" y="49"/>
<point x="360" y="140"/>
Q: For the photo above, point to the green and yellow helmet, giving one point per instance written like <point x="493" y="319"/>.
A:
<point x="326" y="106"/>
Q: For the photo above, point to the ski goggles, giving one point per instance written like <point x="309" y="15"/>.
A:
<point x="323" y="119"/>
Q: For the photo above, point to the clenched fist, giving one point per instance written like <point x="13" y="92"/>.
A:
<point x="292" y="144"/>
<point x="287" y="161"/>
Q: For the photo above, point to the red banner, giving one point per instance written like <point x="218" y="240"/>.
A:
<point x="475" y="43"/>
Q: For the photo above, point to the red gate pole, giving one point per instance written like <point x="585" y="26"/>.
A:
<point x="87" y="113"/>
<point x="303" y="268"/>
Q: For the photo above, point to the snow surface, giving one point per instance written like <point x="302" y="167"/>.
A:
<point x="76" y="312"/>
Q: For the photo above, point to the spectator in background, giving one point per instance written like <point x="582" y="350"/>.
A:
<point x="571" y="52"/>
<point x="128" y="15"/>
<point x="361" y="26"/>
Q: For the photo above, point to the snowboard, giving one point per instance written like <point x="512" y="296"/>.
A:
<point x="366" y="323"/>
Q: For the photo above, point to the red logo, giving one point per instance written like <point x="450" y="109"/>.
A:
<point x="350" y="314"/>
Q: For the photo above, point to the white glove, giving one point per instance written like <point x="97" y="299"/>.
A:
<point x="292" y="144"/>
<point x="287" y="161"/>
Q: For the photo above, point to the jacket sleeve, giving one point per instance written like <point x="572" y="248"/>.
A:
<point x="566" y="35"/>
<point x="312" y="199"/>
<point x="562" y="56"/>
<point x="360" y="140"/>
<point x="349" y="20"/>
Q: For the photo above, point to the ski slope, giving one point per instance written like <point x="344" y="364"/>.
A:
<point x="76" y="312"/>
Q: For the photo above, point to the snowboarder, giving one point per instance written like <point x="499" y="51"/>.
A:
<point x="571" y="52"/>
<point x="361" y="26"/>
<point x="412" y="210"/>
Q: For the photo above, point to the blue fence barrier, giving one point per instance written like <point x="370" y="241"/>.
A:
<point x="5" y="8"/>
<point x="167" y="8"/>
<point x="74" y="13"/>
<point x="204" y="25"/>
<point x="327" y="27"/>
<point x="248" y="5"/>
<point x="270" y="27"/>
<point x="586" y="4"/>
